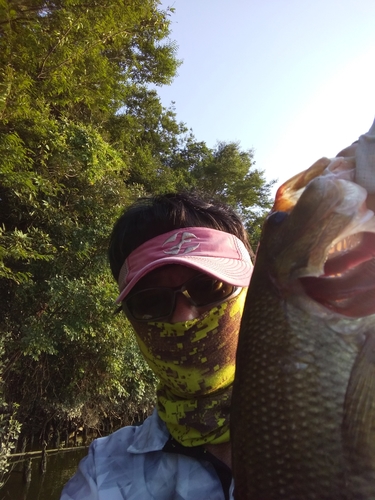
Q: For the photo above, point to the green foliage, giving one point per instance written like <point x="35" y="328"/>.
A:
<point x="76" y="352"/>
<point x="228" y="174"/>
<point x="80" y="56"/>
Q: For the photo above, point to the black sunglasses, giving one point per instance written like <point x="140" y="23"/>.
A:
<point x="158" y="303"/>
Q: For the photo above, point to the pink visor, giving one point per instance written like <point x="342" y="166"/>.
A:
<point x="213" y="252"/>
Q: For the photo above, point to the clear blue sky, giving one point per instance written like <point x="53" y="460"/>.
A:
<point x="292" y="79"/>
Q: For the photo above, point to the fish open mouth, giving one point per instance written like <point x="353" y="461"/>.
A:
<point x="348" y="283"/>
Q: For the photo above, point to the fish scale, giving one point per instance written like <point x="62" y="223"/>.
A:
<point x="285" y="399"/>
<point x="295" y="360"/>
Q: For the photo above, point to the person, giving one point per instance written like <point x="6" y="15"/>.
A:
<point x="183" y="267"/>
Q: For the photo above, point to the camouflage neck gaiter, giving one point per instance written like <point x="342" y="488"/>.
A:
<point x="195" y="363"/>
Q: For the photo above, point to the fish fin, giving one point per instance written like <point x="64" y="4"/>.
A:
<point x="358" y="429"/>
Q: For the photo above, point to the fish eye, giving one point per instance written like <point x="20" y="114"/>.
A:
<point x="277" y="218"/>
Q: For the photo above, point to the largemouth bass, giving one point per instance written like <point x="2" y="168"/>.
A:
<point x="303" y="406"/>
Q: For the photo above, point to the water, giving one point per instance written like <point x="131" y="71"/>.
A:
<point x="60" y="467"/>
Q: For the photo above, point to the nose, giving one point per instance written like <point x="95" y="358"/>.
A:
<point x="184" y="310"/>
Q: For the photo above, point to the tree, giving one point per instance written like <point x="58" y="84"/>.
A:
<point x="66" y="70"/>
<point x="62" y="63"/>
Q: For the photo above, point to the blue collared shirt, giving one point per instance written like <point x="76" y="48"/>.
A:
<point x="131" y="464"/>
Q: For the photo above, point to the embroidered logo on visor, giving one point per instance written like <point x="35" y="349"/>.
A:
<point x="183" y="246"/>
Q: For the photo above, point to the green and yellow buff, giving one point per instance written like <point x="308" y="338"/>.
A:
<point x="195" y="363"/>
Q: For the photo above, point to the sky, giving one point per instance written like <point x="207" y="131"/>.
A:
<point x="294" y="80"/>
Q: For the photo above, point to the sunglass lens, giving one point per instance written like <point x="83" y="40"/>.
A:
<point x="150" y="304"/>
<point x="204" y="290"/>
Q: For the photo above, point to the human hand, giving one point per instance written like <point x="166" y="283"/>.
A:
<point x="364" y="152"/>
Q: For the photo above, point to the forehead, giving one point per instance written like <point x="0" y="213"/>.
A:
<point x="168" y="276"/>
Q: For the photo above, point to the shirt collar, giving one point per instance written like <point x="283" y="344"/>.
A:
<point x="150" y="436"/>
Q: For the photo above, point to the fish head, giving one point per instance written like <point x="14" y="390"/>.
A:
<point x="318" y="239"/>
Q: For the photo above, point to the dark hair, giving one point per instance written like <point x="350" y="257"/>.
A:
<point x="151" y="216"/>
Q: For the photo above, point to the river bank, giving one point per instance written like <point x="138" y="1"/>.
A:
<point x="61" y="465"/>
